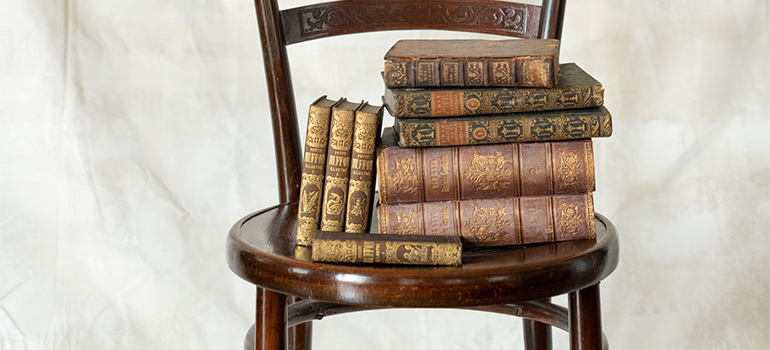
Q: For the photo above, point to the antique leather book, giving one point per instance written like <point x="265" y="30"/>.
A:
<point x="313" y="169"/>
<point x="567" y="124"/>
<point x="495" y="221"/>
<point x="408" y="175"/>
<point x="575" y="89"/>
<point x="338" y="166"/>
<point x="472" y="62"/>
<point x="356" y="248"/>
<point x="366" y="134"/>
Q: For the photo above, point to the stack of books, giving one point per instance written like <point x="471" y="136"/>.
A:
<point x="491" y="142"/>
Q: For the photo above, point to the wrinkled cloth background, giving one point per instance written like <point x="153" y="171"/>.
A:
<point x="133" y="134"/>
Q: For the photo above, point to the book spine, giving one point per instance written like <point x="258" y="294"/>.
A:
<point x="524" y="127"/>
<point x="337" y="170"/>
<point x="495" y="222"/>
<point x="525" y="71"/>
<point x="409" y="175"/>
<point x="387" y="249"/>
<point x="465" y="102"/>
<point x="362" y="169"/>
<point x="313" y="169"/>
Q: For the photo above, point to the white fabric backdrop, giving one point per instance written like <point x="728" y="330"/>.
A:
<point x="134" y="133"/>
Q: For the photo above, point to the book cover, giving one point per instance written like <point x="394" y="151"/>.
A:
<point x="356" y="248"/>
<point x="575" y="89"/>
<point x="426" y="174"/>
<point x="368" y="124"/>
<point x="472" y="62"/>
<point x="338" y="166"/>
<point x="495" y="221"/>
<point x="313" y="169"/>
<point x="570" y="124"/>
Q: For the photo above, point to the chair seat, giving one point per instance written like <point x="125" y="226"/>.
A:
<point x="261" y="250"/>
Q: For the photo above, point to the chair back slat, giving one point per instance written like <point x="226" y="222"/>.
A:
<point x="347" y="17"/>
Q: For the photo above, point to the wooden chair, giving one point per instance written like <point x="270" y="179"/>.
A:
<point x="291" y="291"/>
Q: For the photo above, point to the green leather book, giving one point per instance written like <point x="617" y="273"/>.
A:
<point x="575" y="89"/>
<point x="567" y="124"/>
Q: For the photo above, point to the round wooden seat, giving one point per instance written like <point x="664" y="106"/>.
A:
<point x="261" y="250"/>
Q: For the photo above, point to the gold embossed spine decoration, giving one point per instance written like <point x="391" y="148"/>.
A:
<point x="313" y="170"/>
<point x="409" y="175"/>
<point x="338" y="166"/>
<point x="559" y="125"/>
<point x="348" y="247"/>
<point x="368" y="123"/>
<point x="434" y="63"/>
<point x="496" y="221"/>
<point x="576" y="89"/>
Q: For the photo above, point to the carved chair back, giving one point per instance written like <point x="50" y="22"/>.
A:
<point x="279" y="28"/>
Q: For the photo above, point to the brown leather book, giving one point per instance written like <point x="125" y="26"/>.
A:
<point x="338" y="166"/>
<point x="570" y="124"/>
<point x="356" y="248"/>
<point x="496" y="221"/>
<point x="575" y="89"/>
<point x="473" y="62"/>
<point x="408" y="175"/>
<point x="313" y="169"/>
<point x="366" y="135"/>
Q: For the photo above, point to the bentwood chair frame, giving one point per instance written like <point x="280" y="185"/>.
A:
<point x="510" y="280"/>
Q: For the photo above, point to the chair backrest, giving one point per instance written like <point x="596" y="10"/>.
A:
<point x="279" y="28"/>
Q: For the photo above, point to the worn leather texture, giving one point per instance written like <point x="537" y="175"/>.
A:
<point x="408" y="175"/>
<point x="491" y="222"/>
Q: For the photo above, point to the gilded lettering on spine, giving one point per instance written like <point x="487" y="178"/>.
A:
<point x="497" y="221"/>
<point x="589" y="165"/>
<point x="544" y="126"/>
<point x="338" y="167"/>
<point x="313" y="168"/>
<point x="368" y="121"/>
<point x="590" y="215"/>
<point x="387" y="249"/>
<point x="483" y="171"/>
<point x="576" y="89"/>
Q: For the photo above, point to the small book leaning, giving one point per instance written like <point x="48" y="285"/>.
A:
<point x="313" y="169"/>
<point x="338" y="166"/>
<point x="366" y="136"/>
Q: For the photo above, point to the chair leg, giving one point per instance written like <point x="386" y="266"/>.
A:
<point x="300" y="336"/>
<point x="303" y="334"/>
<point x="270" y="321"/>
<point x="585" y="319"/>
<point x="537" y="336"/>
